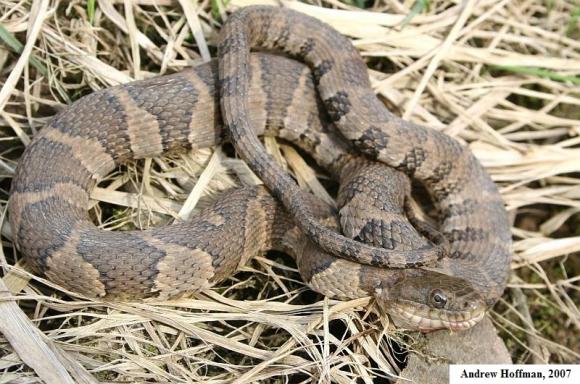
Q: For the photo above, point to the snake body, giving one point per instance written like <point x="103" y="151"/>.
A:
<point x="474" y="220"/>
<point x="81" y="145"/>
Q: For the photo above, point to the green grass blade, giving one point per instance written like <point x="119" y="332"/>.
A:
<point x="91" y="5"/>
<point x="215" y="8"/>
<point x="539" y="72"/>
<point x="16" y="46"/>
<point x="418" y="7"/>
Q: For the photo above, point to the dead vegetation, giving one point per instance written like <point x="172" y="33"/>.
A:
<point x="504" y="76"/>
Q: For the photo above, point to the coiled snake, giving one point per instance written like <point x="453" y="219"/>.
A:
<point x="453" y="281"/>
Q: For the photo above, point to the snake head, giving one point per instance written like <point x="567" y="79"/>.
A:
<point x="427" y="301"/>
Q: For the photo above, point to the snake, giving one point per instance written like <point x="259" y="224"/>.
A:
<point x="474" y="221"/>
<point x="82" y="144"/>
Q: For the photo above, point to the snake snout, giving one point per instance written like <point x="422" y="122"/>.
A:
<point x="428" y="301"/>
<point x="426" y="320"/>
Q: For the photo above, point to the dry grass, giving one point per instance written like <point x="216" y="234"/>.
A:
<point x="501" y="75"/>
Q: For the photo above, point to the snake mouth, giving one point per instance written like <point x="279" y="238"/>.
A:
<point x="426" y="319"/>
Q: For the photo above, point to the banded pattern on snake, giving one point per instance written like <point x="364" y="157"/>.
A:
<point x="474" y="218"/>
<point x="50" y="194"/>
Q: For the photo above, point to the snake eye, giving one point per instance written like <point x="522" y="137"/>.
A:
<point x="438" y="298"/>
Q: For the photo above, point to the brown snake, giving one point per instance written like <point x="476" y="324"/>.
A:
<point x="51" y="188"/>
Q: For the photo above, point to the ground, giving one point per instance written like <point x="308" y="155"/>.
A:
<point x="501" y="76"/>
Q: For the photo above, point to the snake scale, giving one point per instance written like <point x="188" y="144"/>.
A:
<point x="268" y="95"/>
